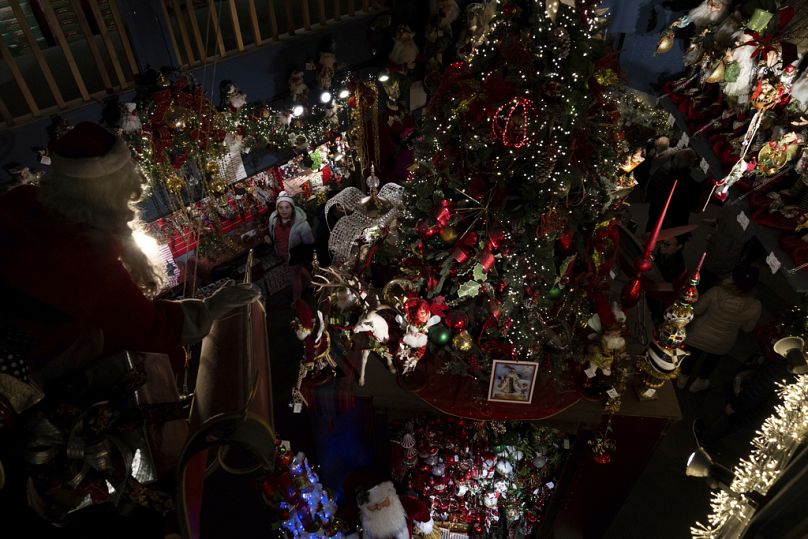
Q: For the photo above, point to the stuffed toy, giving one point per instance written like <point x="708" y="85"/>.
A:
<point x="232" y="98"/>
<point x="405" y="51"/>
<point x="130" y="122"/>
<point x="297" y="87"/>
<point x="385" y="515"/>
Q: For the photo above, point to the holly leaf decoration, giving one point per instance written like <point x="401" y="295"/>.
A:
<point x="479" y="273"/>
<point x="469" y="288"/>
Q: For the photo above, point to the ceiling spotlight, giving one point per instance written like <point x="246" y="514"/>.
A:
<point x="384" y="77"/>
<point x="297" y="110"/>
<point x="792" y="349"/>
<point x="325" y="97"/>
<point x="344" y="93"/>
<point x="699" y="464"/>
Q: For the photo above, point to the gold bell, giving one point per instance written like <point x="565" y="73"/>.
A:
<point x="218" y="186"/>
<point x="665" y="43"/>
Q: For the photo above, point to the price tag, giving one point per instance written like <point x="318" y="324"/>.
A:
<point x="566" y="443"/>
<point x="612" y="392"/>
<point x="297" y="408"/>
<point x="550" y="485"/>
<point x="684" y="141"/>
<point x="773" y="262"/>
<point x="649" y="393"/>
<point x="704" y="165"/>
<point x="591" y="371"/>
<point x="743" y="220"/>
<point x="286" y="445"/>
<point x="45" y="160"/>
<point x="612" y="274"/>
<point x="671" y="119"/>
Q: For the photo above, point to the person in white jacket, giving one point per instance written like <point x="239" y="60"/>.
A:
<point x="720" y="314"/>
<point x="291" y="235"/>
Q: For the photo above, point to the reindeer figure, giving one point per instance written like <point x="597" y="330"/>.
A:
<point x="376" y="328"/>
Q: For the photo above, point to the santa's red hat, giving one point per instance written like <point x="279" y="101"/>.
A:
<point x="89" y="151"/>
<point x="303" y="314"/>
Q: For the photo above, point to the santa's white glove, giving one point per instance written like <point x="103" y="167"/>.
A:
<point x="200" y="314"/>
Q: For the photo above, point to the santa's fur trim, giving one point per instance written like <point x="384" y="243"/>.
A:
<point x="94" y="167"/>
<point x="704" y="14"/>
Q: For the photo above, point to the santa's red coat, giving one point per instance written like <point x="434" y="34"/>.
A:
<point x="58" y="281"/>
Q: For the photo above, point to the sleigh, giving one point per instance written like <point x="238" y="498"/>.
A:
<point x="231" y="423"/>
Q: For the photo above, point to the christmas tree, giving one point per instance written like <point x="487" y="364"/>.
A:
<point x="304" y="508"/>
<point x="520" y="167"/>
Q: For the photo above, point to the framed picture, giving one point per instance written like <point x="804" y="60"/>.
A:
<point x="512" y="381"/>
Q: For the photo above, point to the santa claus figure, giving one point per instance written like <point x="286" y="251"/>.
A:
<point x="405" y="51"/>
<point x="385" y="515"/>
<point x="297" y="87"/>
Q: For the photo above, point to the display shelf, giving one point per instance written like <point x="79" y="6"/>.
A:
<point x="768" y="237"/>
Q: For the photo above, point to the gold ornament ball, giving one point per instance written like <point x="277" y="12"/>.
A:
<point x="212" y="167"/>
<point x="449" y="234"/>
<point x="218" y="186"/>
<point x="175" y="184"/>
<point x="463" y="341"/>
<point x="606" y="77"/>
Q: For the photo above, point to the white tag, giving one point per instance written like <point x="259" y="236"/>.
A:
<point x="649" y="393"/>
<point x="297" y="408"/>
<point x="591" y="371"/>
<point x="286" y="445"/>
<point x="612" y="274"/>
<point x="684" y="141"/>
<point x="773" y="262"/>
<point x="704" y="165"/>
<point x="671" y="119"/>
<point x="45" y="160"/>
<point x="612" y="392"/>
<point x="550" y="485"/>
<point x="743" y="220"/>
<point x="566" y="443"/>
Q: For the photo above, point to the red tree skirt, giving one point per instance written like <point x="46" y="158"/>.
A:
<point x="463" y="396"/>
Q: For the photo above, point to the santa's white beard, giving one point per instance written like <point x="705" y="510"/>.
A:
<point x="704" y="15"/>
<point x="743" y="84"/>
<point x="387" y="522"/>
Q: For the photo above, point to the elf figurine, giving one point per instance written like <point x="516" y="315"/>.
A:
<point x="317" y="358"/>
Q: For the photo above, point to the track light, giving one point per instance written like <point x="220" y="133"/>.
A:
<point x="325" y="97"/>
<point x="700" y="464"/>
<point x="344" y="93"/>
<point x="792" y="349"/>
<point x="383" y="77"/>
<point x="297" y="110"/>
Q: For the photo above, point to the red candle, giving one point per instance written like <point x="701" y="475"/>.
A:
<point x="655" y="234"/>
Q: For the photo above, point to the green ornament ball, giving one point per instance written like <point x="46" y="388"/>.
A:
<point x="440" y="334"/>
<point x="555" y="293"/>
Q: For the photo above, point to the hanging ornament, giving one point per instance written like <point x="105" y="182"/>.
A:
<point x="174" y="184"/>
<point x="606" y="77"/>
<point x="440" y="334"/>
<point x="509" y="123"/>
<point x="555" y="293"/>
<point x="218" y="186"/>
<point x="665" y="43"/>
<point x="176" y="117"/>
<point x="463" y="341"/>
<point x="212" y="167"/>
<point x="449" y="234"/>
<point x="456" y="320"/>
<point x="717" y="74"/>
